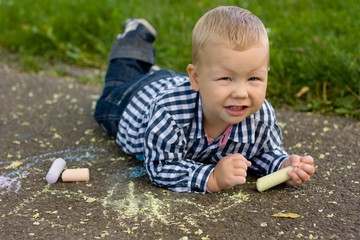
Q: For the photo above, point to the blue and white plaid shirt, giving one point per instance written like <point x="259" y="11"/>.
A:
<point x="164" y="122"/>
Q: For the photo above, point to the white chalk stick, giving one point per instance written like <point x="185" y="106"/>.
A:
<point x="76" y="175"/>
<point x="55" y="170"/>
<point x="273" y="179"/>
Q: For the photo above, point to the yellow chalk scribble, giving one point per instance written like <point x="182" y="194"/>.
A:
<point x="286" y="215"/>
<point x="155" y="207"/>
<point x="14" y="165"/>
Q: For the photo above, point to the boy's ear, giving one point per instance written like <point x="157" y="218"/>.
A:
<point x="193" y="76"/>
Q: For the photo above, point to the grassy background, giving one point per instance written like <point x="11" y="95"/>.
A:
<point x="314" y="44"/>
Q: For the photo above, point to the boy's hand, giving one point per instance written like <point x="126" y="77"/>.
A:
<point x="303" y="169"/>
<point x="229" y="171"/>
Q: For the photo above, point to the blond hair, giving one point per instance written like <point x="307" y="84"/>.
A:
<point x="231" y="25"/>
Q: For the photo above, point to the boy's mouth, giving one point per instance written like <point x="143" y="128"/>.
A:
<point x="236" y="110"/>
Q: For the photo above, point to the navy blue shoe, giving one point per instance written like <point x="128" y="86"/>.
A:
<point x="139" y="28"/>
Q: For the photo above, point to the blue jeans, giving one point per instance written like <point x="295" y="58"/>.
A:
<point x="129" y="71"/>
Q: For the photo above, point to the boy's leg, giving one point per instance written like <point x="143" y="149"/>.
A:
<point x="131" y="56"/>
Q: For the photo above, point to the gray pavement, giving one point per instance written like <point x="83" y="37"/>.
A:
<point x="43" y="118"/>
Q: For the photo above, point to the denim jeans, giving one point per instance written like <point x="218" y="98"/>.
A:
<point x="128" y="72"/>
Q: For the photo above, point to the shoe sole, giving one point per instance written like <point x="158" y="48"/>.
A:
<point x="146" y="24"/>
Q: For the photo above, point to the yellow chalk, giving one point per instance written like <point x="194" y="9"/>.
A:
<point x="273" y="179"/>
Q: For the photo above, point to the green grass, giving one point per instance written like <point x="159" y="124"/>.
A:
<point x="313" y="44"/>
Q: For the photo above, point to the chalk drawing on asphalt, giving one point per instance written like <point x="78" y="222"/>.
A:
<point x="137" y="205"/>
<point x="123" y="197"/>
<point x="11" y="181"/>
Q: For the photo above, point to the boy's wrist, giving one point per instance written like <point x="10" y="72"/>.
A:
<point x="212" y="185"/>
<point x="281" y="165"/>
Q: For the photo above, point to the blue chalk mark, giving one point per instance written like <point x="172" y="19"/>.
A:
<point x="137" y="171"/>
<point x="71" y="155"/>
<point x="11" y="181"/>
<point x="140" y="157"/>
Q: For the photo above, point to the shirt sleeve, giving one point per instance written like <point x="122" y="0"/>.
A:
<point x="271" y="154"/>
<point x="165" y="156"/>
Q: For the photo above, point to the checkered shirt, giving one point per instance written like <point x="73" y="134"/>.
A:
<point x="163" y="121"/>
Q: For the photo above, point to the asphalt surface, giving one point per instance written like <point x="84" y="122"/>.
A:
<point x="43" y="118"/>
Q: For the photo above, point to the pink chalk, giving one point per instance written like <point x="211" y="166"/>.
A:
<point x="76" y="175"/>
<point x="55" y="170"/>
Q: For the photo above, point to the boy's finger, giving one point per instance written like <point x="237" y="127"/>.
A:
<point x="309" y="169"/>
<point x="240" y="158"/>
<point x="295" y="179"/>
<point x="302" y="175"/>
<point x="240" y="172"/>
<point x="239" y="180"/>
<point x="242" y="164"/>
<point x="248" y="163"/>
<point x="307" y="160"/>
<point x="295" y="160"/>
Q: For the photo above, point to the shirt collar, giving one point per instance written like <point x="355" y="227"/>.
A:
<point x="242" y="132"/>
<point x="197" y="129"/>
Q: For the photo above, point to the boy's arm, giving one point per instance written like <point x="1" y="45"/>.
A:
<point x="272" y="157"/>
<point x="271" y="154"/>
<point x="165" y="156"/>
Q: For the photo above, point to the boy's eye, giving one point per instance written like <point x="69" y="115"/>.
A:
<point x="225" y="78"/>
<point x="253" y="79"/>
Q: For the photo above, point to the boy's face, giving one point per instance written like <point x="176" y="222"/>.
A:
<point x="232" y="83"/>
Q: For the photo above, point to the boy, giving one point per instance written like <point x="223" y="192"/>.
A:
<point x="204" y="131"/>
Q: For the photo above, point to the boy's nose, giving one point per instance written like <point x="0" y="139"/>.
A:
<point x="240" y="91"/>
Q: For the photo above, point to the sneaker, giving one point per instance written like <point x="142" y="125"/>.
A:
<point x="139" y="28"/>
